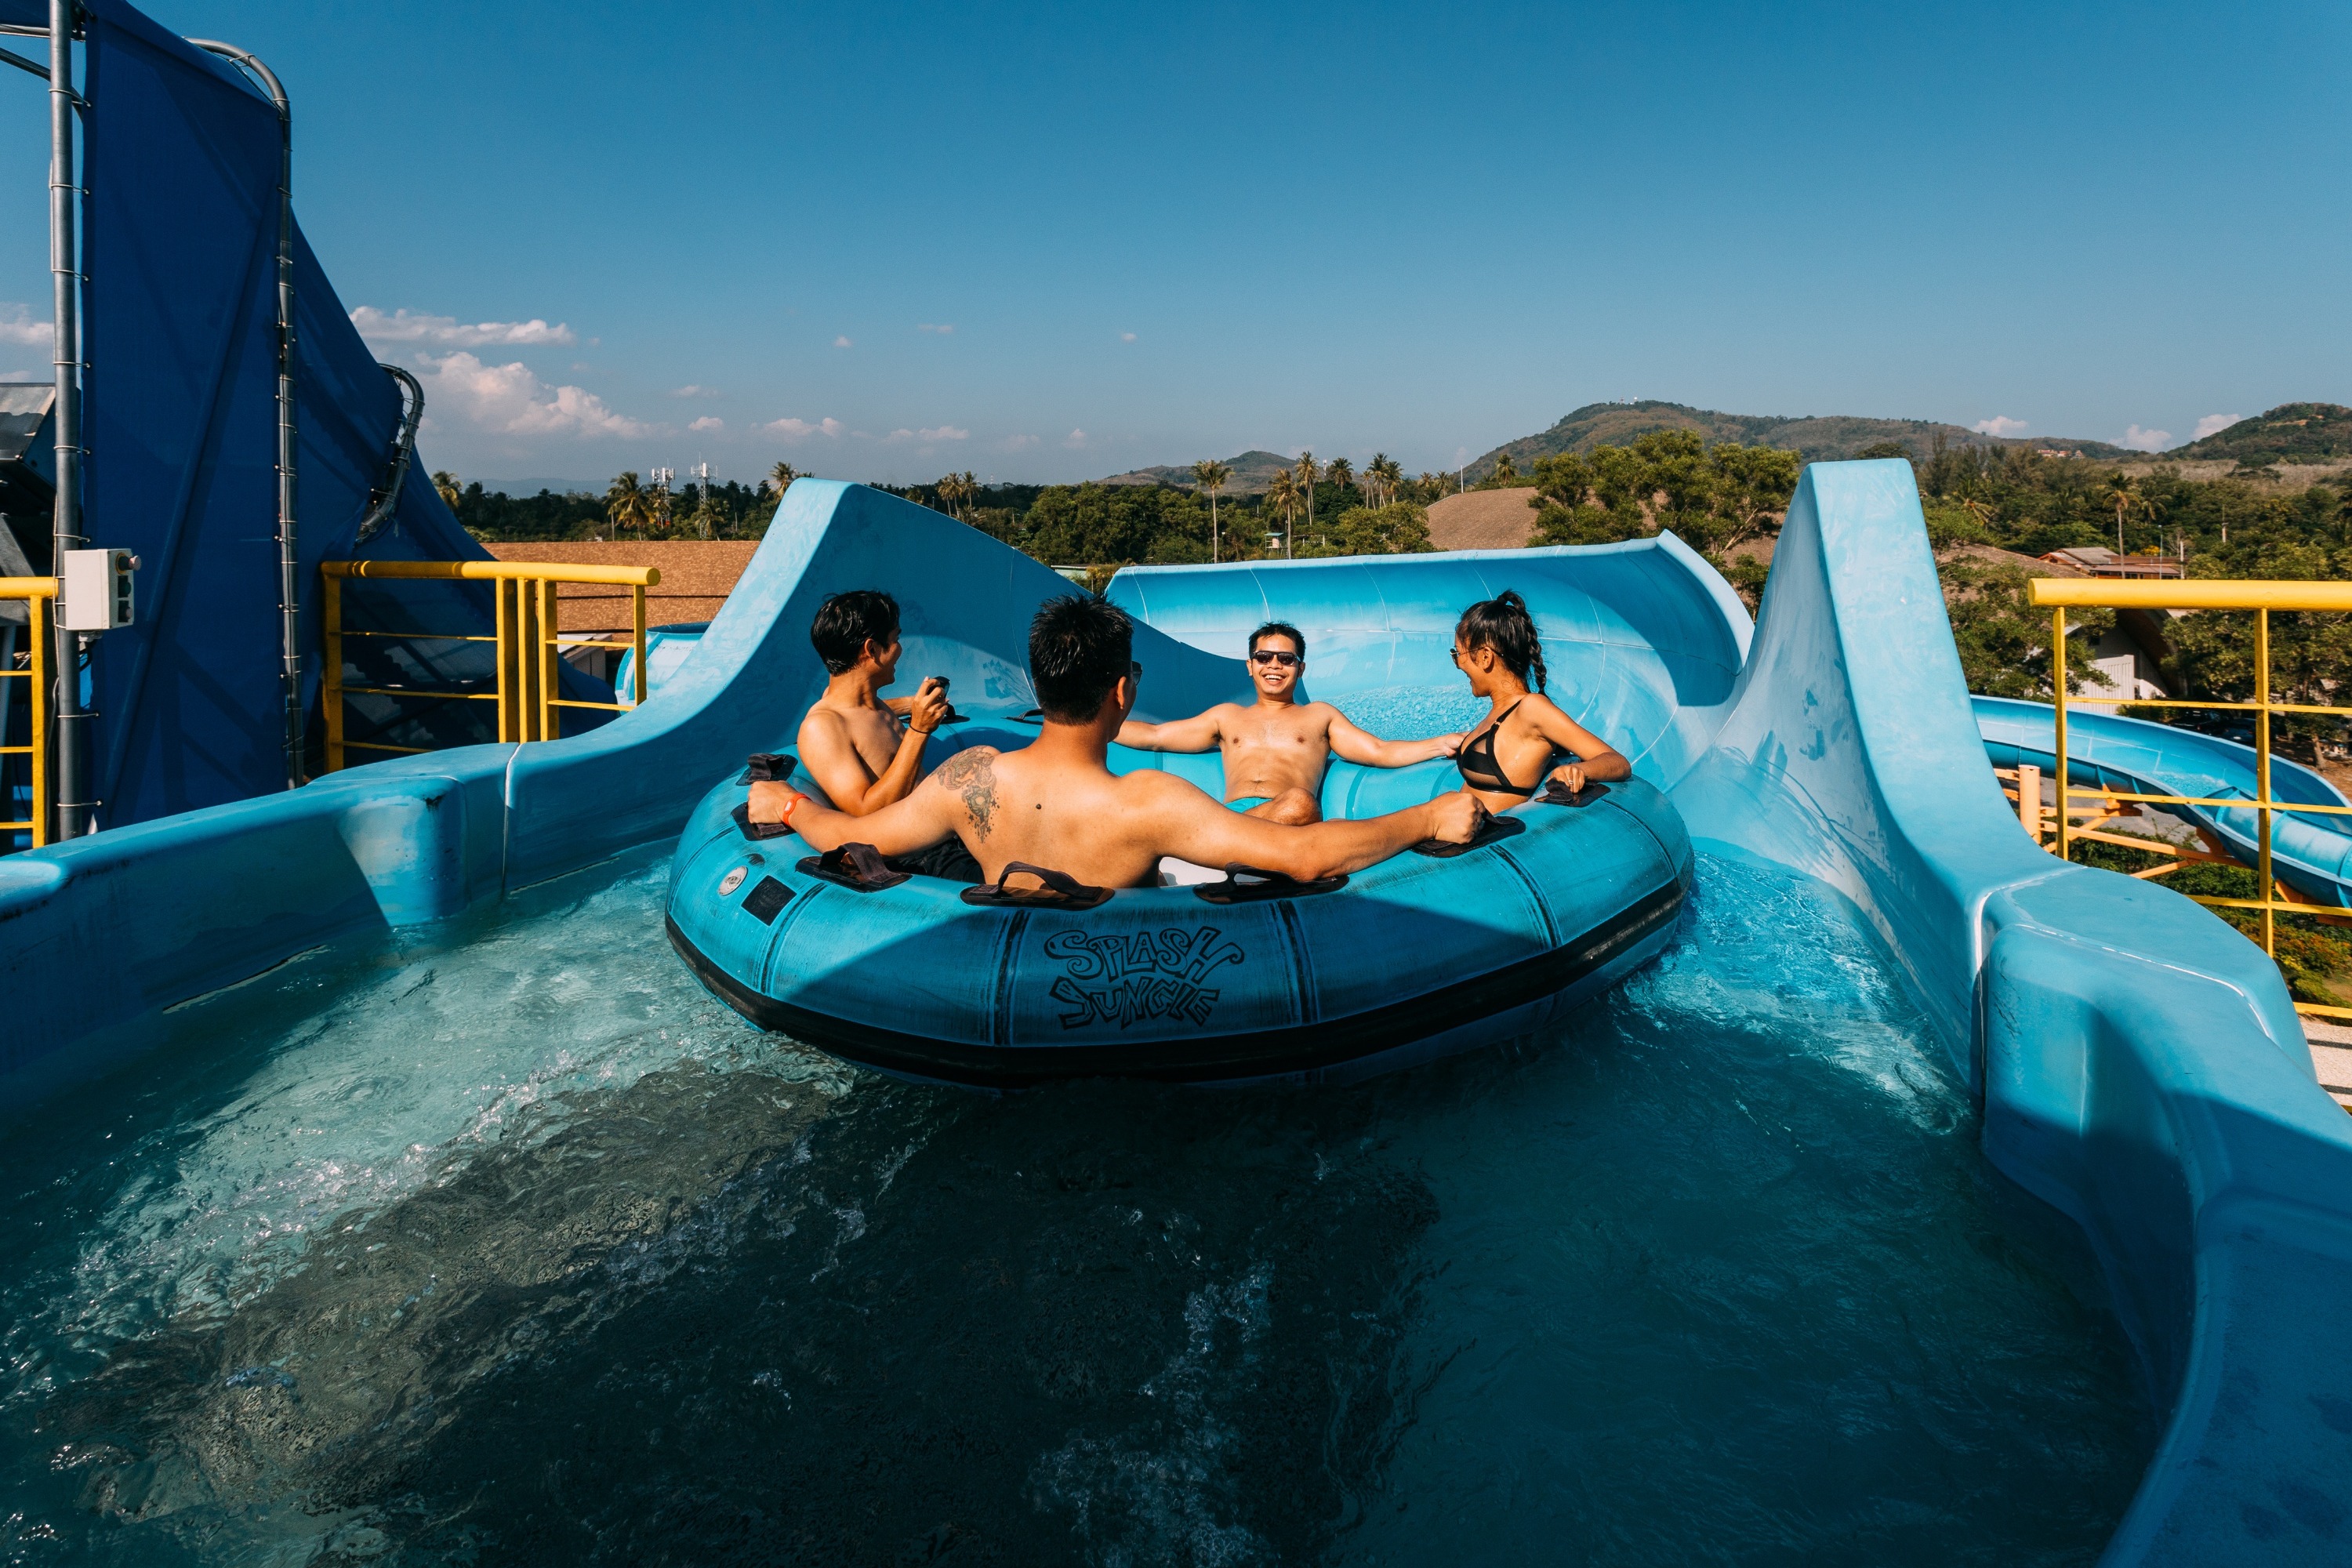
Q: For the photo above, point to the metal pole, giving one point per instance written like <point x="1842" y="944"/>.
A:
<point x="2263" y="775"/>
<point x="289" y="583"/>
<point x="2058" y="708"/>
<point x="73" y="747"/>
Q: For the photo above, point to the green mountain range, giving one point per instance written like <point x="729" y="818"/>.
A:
<point x="1821" y="437"/>
<point x="1253" y="472"/>
<point x="2292" y="432"/>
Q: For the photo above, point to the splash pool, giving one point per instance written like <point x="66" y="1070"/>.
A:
<point x="510" y="1246"/>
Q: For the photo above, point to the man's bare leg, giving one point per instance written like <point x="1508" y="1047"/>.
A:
<point x="1294" y="808"/>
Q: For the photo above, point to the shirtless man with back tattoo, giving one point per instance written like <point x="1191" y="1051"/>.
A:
<point x="1278" y="747"/>
<point x="1053" y="802"/>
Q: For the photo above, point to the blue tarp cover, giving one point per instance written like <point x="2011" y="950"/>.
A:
<point x="180" y="243"/>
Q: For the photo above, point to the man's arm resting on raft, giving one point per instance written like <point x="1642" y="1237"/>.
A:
<point x="926" y="817"/>
<point x="1201" y="732"/>
<point x="1190" y="826"/>
<point x="1360" y="745"/>
<point x="834" y="763"/>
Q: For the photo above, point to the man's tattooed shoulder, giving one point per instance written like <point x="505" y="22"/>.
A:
<point x="972" y="774"/>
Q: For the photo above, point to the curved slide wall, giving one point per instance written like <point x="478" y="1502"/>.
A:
<point x="2311" y="854"/>
<point x="2140" y="1066"/>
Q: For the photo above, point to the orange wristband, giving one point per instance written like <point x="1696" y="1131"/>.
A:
<point x="793" y="801"/>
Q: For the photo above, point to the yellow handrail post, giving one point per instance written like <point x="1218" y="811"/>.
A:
<point x="506" y="660"/>
<point x="638" y="635"/>
<point x="2262" y="773"/>
<point x="2058" y="704"/>
<point x="36" y="621"/>
<point x="550" y="629"/>
<point x="330" y="696"/>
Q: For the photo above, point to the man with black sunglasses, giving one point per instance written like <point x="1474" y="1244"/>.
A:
<point x="1276" y="748"/>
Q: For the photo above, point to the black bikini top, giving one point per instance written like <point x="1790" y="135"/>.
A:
<point x="1479" y="768"/>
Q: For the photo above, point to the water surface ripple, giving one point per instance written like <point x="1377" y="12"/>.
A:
<point x="505" y="1245"/>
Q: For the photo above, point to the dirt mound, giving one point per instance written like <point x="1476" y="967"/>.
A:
<point x="1483" y="520"/>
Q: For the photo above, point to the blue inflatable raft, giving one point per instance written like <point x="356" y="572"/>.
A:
<point x="1245" y="978"/>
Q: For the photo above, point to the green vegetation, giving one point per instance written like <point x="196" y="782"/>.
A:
<point x="2291" y="433"/>
<point x="1715" y="499"/>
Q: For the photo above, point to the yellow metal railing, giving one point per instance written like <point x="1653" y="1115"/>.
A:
<point x="528" y="629"/>
<point x="2064" y="594"/>
<point x="36" y="592"/>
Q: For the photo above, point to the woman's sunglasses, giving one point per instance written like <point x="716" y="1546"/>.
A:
<point x="1268" y="656"/>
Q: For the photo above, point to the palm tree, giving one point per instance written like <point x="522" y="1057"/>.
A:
<point x="1386" y="475"/>
<point x="2122" y="492"/>
<point x="1282" y="495"/>
<point x="1307" y="474"/>
<point x="446" y="483"/>
<point x="781" y="476"/>
<point x="950" y="489"/>
<point x="1341" y="471"/>
<point x="624" y="504"/>
<point x="1211" y="476"/>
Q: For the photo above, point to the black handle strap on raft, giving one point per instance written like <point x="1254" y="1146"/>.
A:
<point x="751" y="829"/>
<point x="1492" y="830"/>
<point x="766" y="767"/>
<point x="1249" y="884"/>
<point x="857" y="866"/>
<point x="1555" y="795"/>
<point x="1061" y="891"/>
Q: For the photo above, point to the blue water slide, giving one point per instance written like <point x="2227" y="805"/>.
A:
<point x="2140" y="1065"/>
<point x="2312" y="853"/>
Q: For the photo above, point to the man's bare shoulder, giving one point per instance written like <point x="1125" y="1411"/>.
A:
<point x="1149" y="786"/>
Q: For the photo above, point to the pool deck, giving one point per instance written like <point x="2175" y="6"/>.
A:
<point x="2331" y="1053"/>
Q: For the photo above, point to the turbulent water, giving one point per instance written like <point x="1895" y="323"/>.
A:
<point x="511" y="1247"/>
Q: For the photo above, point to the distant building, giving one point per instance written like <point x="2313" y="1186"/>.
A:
<point x="2054" y="452"/>
<point x="2101" y="562"/>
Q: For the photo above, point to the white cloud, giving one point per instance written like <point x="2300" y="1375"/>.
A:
<point x="689" y="390"/>
<point x="707" y="423"/>
<point x="2146" y="441"/>
<point x="1019" y="443"/>
<point x="935" y="433"/>
<point x="942" y="328"/>
<point x="509" y="397"/>
<point x="1126" y="337"/>
<point x="403" y="326"/>
<point x="841" y="342"/>
<point x="1999" y="424"/>
<point x="2211" y="425"/>
<point x="800" y="429"/>
<point x="18" y="326"/>
<point x="1075" y="440"/>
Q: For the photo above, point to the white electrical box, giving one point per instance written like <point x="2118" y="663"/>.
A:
<point x="95" y="590"/>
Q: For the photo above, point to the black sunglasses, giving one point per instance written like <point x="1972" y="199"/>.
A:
<point x="1269" y="656"/>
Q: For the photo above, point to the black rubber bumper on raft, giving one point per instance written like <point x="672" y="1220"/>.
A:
<point x="1265" y="1053"/>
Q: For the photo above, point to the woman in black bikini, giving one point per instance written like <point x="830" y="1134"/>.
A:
<point x="1496" y="645"/>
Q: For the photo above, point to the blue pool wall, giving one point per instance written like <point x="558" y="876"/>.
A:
<point x="2139" y="1064"/>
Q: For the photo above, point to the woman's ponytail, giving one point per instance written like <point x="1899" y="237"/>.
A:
<point x="1503" y="624"/>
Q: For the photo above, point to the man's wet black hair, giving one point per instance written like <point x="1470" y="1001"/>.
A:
<point x="1078" y="648"/>
<point x="1281" y="629"/>
<point x="1503" y="624"/>
<point x="845" y="623"/>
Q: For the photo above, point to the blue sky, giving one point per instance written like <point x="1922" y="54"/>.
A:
<point x="1049" y="243"/>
